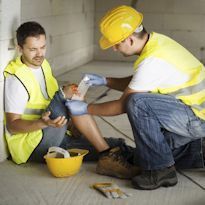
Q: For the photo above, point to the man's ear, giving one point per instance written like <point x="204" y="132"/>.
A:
<point x="19" y="48"/>
<point x="131" y="40"/>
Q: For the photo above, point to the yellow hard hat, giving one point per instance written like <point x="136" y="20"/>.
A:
<point x="64" y="166"/>
<point x="118" y="24"/>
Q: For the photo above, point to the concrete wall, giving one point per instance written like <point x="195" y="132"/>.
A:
<point x="183" y="20"/>
<point x="100" y="9"/>
<point x="9" y="20"/>
<point x="70" y="30"/>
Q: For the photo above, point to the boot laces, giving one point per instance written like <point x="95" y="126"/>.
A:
<point x="151" y="175"/>
<point x="117" y="156"/>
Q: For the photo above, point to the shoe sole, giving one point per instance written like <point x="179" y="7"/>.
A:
<point x="171" y="182"/>
<point x="106" y="173"/>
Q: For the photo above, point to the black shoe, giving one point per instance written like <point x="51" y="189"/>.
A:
<point x="153" y="179"/>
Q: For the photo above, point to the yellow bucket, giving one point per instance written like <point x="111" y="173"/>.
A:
<point x="65" y="167"/>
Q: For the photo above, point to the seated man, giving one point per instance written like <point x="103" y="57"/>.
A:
<point x="29" y="88"/>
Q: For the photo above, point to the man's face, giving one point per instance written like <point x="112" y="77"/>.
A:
<point x="121" y="47"/>
<point x="128" y="47"/>
<point x="33" y="51"/>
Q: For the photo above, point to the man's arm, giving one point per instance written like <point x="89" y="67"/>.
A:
<point x="114" y="83"/>
<point x="118" y="83"/>
<point x="111" y="108"/>
<point x="17" y="125"/>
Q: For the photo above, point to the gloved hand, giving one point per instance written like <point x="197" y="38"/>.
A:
<point x="76" y="107"/>
<point x="95" y="79"/>
<point x="111" y="190"/>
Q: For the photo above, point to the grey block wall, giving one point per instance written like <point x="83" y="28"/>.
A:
<point x="9" y="20"/>
<point x="70" y="30"/>
<point x="182" y="20"/>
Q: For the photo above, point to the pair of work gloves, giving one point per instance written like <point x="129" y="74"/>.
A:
<point x="110" y="190"/>
<point x="77" y="107"/>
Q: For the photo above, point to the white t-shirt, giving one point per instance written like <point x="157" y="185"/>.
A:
<point x="16" y="96"/>
<point x="153" y="73"/>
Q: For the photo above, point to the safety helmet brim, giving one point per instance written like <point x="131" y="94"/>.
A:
<point x="118" y="24"/>
<point x="104" y="43"/>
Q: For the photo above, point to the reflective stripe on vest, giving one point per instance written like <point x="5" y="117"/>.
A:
<point x="189" y="91"/>
<point x="29" y="111"/>
<point x="192" y="92"/>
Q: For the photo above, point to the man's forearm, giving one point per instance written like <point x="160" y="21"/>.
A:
<point x="111" y="108"/>
<point x="24" y="126"/>
<point x="118" y="83"/>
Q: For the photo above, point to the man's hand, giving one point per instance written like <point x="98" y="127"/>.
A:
<point x="15" y="124"/>
<point x="95" y="79"/>
<point x="58" y="122"/>
<point x="76" y="107"/>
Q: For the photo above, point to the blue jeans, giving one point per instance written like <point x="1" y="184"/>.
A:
<point x="58" y="137"/>
<point x="166" y="132"/>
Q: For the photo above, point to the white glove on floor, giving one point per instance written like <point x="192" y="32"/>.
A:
<point x="110" y="190"/>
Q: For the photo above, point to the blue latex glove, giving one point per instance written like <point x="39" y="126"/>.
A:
<point x="76" y="107"/>
<point x="95" y="79"/>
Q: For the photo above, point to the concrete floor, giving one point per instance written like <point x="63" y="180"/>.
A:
<point x="32" y="184"/>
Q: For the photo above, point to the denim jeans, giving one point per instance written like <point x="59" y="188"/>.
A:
<point x="166" y="132"/>
<point x="58" y="137"/>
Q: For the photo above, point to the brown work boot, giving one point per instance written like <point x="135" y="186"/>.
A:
<point x="114" y="164"/>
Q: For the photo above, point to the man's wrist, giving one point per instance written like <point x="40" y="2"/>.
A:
<point x="41" y="123"/>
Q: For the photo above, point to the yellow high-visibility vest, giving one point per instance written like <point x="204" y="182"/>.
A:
<point x="22" y="145"/>
<point x="192" y="92"/>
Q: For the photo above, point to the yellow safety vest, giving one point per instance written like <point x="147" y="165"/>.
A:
<point x="192" y="92"/>
<point x="23" y="144"/>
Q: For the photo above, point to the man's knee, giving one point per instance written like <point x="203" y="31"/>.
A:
<point x="135" y="101"/>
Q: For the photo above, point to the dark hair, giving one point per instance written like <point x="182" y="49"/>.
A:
<point x="28" y="29"/>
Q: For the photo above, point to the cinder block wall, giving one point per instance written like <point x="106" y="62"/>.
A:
<point x="100" y="9"/>
<point x="182" y="20"/>
<point x="9" y="20"/>
<point x="70" y="30"/>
